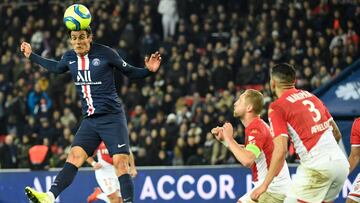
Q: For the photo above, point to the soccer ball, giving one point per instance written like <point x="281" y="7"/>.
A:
<point x="77" y="17"/>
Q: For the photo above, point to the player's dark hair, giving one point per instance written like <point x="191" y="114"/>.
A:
<point x="88" y="31"/>
<point x="284" y="72"/>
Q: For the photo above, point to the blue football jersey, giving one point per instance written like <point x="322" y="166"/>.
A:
<point x="93" y="75"/>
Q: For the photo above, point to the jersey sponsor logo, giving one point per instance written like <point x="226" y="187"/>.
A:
<point x="320" y="127"/>
<point x="84" y="78"/>
<point x="349" y="91"/>
<point x="96" y="62"/>
<point x="71" y="62"/>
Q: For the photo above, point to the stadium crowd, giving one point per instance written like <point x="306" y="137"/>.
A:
<point x="211" y="50"/>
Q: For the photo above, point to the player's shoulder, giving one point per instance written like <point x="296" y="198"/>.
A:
<point x="277" y="104"/>
<point x="258" y="126"/>
<point x="102" y="47"/>
<point x="357" y="122"/>
<point x="68" y="55"/>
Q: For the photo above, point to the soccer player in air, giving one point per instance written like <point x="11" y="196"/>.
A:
<point x="257" y="152"/>
<point x="109" y="190"/>
<point x="354" y="195"/>
<point x="301" y="117"/>
<point x="91" y="66"/>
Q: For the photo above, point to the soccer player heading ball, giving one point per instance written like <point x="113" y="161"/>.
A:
<point x="91" y="66"/>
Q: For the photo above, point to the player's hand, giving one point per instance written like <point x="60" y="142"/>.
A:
<point x="26" y="49"/>
<point x="153" y="62"/>
<point x="255" y="195"/>
<point x="228" y="131"/>
<point x="218" y="133"/>
<point x="97" y="166"/>
<point x="133" y="172"/>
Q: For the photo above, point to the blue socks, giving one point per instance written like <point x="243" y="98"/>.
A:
<point x="63" y="179"/>
<point x="127" y="188"/>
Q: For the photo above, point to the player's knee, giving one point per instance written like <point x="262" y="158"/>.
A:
<point x="121" y="163"/>
<point x="77" y="156"/>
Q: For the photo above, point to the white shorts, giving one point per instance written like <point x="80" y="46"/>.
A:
<point x="266" y="197"/>
<point x="107" y="179"/>
<point x="321" y="184"/>
<point x="355" y="193"/>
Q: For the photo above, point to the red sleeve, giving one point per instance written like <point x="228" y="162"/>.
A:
<point x="355" y="132"/>
<point x="277" y="121"/>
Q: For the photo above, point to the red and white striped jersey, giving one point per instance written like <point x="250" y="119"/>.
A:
<point x="258" y="133"/>
<point x="355" y="133"/>
<point x="305" y="119"/>
<point x="103" y="155"/>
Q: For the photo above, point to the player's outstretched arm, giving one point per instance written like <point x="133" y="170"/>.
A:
<point x="152" y="64"/>
<point x="50" y="65"/>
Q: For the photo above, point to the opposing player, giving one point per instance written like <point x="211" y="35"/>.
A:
<point x="91" y="66"/>
<point x="301" y="117"/>
<point x="354" y="195"/>
<point x="257" y="152"/>
<point x="109" y="190"/>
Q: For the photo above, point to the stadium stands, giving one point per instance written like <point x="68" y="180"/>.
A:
<point x="218" y="49"/>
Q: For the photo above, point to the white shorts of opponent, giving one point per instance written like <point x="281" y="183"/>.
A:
<point x="355" y="193"/>
<point x="319" y="184"/>
<point x="107" y="179"/>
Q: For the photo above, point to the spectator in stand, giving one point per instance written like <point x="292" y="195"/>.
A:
<point x="39" y="102"/>
<point x="8" y="153"/>
<point x="170" y="16"/>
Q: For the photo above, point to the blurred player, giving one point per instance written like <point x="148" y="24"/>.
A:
<point x="354" y="195"/>
<point x="106" y="176"/>
<point x="91" y="66"/>
<point x="258" y="147"/>
<point x="301" y="117"/>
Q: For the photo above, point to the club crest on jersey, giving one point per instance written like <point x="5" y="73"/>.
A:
<point x="96" y="62"/>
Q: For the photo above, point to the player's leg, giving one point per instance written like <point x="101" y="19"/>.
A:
<point x="85" y="142"/>
<point x="309" y="185"/>
<point x="354" y="195"/>
<point x="109" y="184"/>
<point x="268" y="197"/>
<point x="114" y="197"/>
<point x="339" y="170"/>
<point x="113" y="131"/>
<point x="353" y="199"/>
